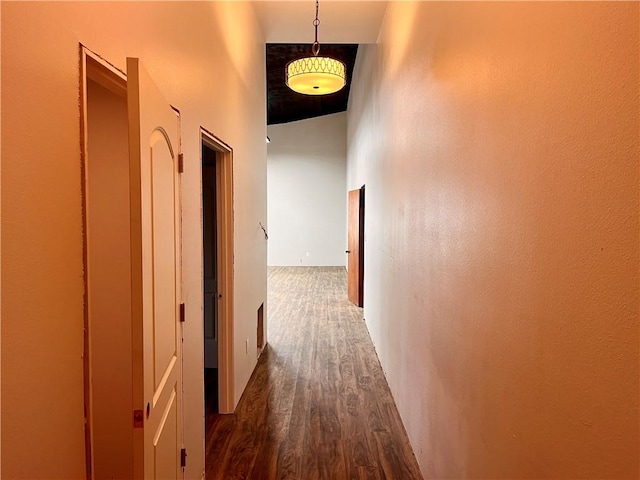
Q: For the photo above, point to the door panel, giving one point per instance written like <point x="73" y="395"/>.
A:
<point x="167" y="458"/>
<point x="355" y="263"/>
<point x="155" y="254"/>
<point x="162" y="207"/>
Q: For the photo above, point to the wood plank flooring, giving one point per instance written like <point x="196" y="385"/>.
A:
<point x="318" y="405"/>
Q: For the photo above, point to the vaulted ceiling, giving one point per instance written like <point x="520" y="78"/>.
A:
<point x="283" y="104"/>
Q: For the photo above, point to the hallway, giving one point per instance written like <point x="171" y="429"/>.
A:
<point x="318" y="404"/>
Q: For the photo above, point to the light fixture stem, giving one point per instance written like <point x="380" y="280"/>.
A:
<point x="315" y="49"/>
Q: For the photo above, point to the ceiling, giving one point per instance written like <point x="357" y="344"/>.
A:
<point x="288" y="28"/>
<point x="283" y="104"/>
<point x="343" y="21"/>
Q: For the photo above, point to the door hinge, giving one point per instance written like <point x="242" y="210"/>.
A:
<point x="181" y="163"/>
<point x="138" y="419"/>
<point x="183" y="457"/>
<point x="182" y="314"/>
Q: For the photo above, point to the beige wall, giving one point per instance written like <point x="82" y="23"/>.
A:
<point x="499" y="147"/>
<point x="208" y="60"/>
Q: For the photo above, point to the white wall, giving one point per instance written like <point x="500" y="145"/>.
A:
<point x="208" y="60"/>
<point x="499" y="146"/>
<point x="306" y="178"/>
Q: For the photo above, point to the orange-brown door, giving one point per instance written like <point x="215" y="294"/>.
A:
<point x="355" y="263"/>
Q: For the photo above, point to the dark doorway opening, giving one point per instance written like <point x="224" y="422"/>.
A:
<point x="210" y="277"/>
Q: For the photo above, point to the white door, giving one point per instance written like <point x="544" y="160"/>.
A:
<point x="154" y="142"/>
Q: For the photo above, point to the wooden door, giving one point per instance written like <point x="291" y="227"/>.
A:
<point x="355" y="263"/>
<point x="154" y="142"/>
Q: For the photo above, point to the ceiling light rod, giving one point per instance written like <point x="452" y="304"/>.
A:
<point x="315" y="75"/>
<point x="315" y="48"/>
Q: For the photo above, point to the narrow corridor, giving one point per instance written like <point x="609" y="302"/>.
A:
<point x="318" y="404"/>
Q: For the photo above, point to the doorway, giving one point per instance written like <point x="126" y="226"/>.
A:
<point x="355" y="262"/>
<point x="210" y="277"/>
<point x="133" y="333"/>
<point x="217" y="274"/>
<point x="107" y="268"/>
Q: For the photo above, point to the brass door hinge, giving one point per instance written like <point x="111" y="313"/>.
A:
<point x="182" y="313"/>
<point x="138" y="419"/>
<point x="181" y="163"/>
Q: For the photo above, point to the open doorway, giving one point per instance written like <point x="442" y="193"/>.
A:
<point x="217" y="274"/>
<point x="115" y="238"/>
<point x="133" y="335"/>
<point x="210" y="278"/>
<point x="108" y="363"/>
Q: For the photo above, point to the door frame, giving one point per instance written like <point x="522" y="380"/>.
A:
<point x="96" y="68"/>
<point x="225" y="253"/>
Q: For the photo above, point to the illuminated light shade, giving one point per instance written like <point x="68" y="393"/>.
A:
<point x="316" y="75"/>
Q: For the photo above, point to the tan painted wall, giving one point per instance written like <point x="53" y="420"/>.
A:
<point x="208" y="60"/>
<point x="499" y="147"/>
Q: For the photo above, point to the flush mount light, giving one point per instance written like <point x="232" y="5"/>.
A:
<point x="316" y="75"/>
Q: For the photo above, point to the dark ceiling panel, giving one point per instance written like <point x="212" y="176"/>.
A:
<point x="283" y="104"/>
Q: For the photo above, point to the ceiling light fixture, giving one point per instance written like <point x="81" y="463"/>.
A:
<point x="316" y="75"/>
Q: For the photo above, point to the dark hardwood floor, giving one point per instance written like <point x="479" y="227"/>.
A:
<point x="318" y="405"/>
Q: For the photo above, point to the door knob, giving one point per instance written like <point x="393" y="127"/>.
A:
<point x="347" y="251"/>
